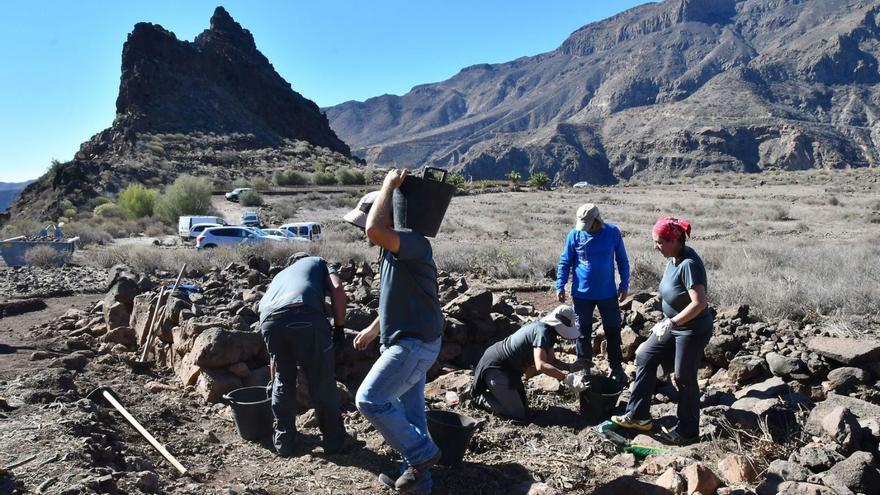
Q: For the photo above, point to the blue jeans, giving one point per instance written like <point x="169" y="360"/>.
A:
<point x="609" y="310"/>
<point x="392" y="397"/>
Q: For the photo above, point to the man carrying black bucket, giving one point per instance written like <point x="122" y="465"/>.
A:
<point x="498" y="387"/>
<point x="392" y="396"/>
<point x="297" y="332"/>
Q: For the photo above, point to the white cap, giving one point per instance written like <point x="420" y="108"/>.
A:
<point x="564" y="321"/>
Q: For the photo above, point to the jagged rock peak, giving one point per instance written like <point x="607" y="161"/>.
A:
<point x="221" y="83"/>
<point x="225" y="29"/>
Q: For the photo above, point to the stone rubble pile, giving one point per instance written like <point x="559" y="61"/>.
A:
<point x="788" y="382"/>
<point x="30" y="281"/>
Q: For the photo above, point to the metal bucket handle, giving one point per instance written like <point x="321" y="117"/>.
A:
<point x="425" y="175"/>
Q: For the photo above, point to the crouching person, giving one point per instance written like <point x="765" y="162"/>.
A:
<point x="297" y="333"/>
<point x="498" y="387"/>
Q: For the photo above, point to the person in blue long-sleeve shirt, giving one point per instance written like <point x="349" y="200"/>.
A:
<point x="589" y="255"/>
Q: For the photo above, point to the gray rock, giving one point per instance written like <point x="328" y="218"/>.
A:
<point x="858" y="473"/>
<point x="743" y="369"/>
<point x="846" y="350"/>
<point x="843" y="380"/>
<point x="148" y="481"/>
<point x="785" y="366"/>
<point x="768" y="389"/>
<point x="862" y="409"/>
<point x="788" y="471"/>
<point x="720" y="350"/>
<point x="816" y="457"/>
<point x="843" y="427"/>
<point x="799" y="488"/>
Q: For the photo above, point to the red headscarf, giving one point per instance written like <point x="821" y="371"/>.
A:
<point x="671" y="228"/>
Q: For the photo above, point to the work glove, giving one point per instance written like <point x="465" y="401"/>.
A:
<point x="269" y="389"/>
<point x="338" y="337"/>
<point x="663" y="329"/>
<point x="576" y="382"/>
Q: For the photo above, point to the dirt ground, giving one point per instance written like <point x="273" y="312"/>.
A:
<point x="61" y="443"/>
<point x="74" y="446"/>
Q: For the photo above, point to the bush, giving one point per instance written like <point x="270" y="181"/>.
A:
<point x="187" y="196"/>
<point x="324" y="179"/>
<point x="539" y="180"/>
<point x="289" y="178"/>
<point x="109" y="210"/>
<point x="137" y="201"/>
<point x="456" y="180"/>
<point x="348" y="176"/>
<point x="260" y="184"/>
<point x="45" y="257"/>
<point x="250" y="198"/>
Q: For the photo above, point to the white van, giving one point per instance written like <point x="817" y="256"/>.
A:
<point x="185" y="224"/>
<point x="304" y="230"/>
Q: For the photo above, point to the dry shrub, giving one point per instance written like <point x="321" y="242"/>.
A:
<point x="88" y="234"/>
<point x="46" y="257"/>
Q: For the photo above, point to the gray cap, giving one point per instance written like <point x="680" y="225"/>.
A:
<point x="586" y="215"/>
<point x="358" y="216"/>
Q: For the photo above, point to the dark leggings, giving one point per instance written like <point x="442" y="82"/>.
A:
<point x="687" y="347"/>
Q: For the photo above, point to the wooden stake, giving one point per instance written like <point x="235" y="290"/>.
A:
<point x="150" y="334"/>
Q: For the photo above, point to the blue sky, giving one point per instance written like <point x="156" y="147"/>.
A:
<point x="60" y="59"/>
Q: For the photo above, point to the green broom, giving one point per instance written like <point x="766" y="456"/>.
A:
<point x="644" y="450"/>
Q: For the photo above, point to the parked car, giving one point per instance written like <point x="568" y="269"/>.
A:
<point x="580" y="185"/>
<point x="235" y="193"/>
<point x="251" y="219"/>
<point x="283" y="233"/>
<point x="232" y="236"/>
<point x="304" y="230"/>
<point x="200" y="227"/>
<point x="187" y="222"/>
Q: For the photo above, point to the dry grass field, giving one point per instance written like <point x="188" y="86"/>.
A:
<point x="789" y="244"/>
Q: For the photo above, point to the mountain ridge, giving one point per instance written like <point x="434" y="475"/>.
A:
<point x="778" y="63"/>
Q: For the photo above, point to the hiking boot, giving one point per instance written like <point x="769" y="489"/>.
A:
<point x="284" y="443"/>
<point x="349" y="443"/>
<point x="632" y="424"/>
<point x="619" y="376"/>
<point x="413" y="475"/>
<point x="672" y="436"/>
<point x="480" y="402"/>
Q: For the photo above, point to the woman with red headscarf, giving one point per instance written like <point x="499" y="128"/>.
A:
<point x="684" y="333"/>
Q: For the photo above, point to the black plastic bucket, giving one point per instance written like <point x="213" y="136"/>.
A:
<point x="420" y="203"/>
<point x="451" y="432"/>
<point x="597" y="402"/>
<point x="252" y="412"/>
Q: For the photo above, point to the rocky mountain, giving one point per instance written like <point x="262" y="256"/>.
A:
<point x="682" y="86"/>
<point x="9" y="191"/>
<point x="214" y="107"/>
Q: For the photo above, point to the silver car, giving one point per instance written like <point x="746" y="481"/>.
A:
<point x="233" y="236"/>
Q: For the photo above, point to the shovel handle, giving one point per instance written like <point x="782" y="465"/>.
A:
<point x="150" y="438"/>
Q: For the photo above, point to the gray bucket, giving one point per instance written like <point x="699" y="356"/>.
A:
<point x="451" y="432"/>
<point x="420" y="203"/>
<point x="252" y="411"/>
<point x="598" y="401"/>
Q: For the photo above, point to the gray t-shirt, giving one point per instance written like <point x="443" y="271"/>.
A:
<point x="305" y="282"/>
<point x="409" y="305"/>
<point x="517" y="352"/>
<point x="677" y="280"/>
